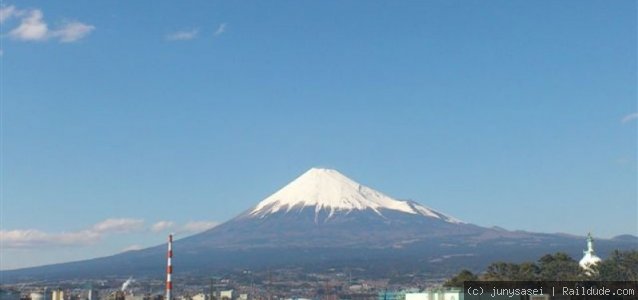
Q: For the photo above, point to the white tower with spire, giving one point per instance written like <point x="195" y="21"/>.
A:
<point x="589" y="256"/>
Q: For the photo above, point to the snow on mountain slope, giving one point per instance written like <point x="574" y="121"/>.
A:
<point x="329" y="190"/>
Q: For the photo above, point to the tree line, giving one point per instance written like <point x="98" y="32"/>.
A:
<point x="619" y="266"/>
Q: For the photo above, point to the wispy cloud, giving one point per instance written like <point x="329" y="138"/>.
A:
<point x="72" y="32"/>
<point x="629" y="117"/>
<point x="197" y="226"/>
<point x="183" y="35"/>
<point x="118" y="225"/>
<point x="220" y="29"/>
<point x="162" y="226"/>
<point x="7" y="12"/>
<point x="132" y="248"/>
<point x="186" y="228"/>
<point x="33" y="238"/>
<point x="32" y="27"/>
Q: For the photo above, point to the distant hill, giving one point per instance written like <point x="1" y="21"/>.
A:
<point x="626" y="237"/>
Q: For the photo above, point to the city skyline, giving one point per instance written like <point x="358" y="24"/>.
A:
<point x="124" y="121"/>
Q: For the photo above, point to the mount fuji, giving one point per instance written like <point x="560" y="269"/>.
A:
<point x="327" y="190"/>
<point x="325" y="219"/>
<point x="323" y="207"/>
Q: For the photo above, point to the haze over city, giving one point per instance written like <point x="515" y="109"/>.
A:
<point x="124" y="121"/>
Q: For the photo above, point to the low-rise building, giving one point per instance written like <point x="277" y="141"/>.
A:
<point x="200" y="296"/>
<point x="436" y="294"/>
<point x="226" y="295"/>
<point x="57" y="295"/>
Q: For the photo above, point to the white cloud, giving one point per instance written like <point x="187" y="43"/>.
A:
<point x="84" y="237"/>
<point x="220" y="30"/>
<point x="182" y="35"/>
<point x="7" y="12"/>
<point x="119" y="225"/>
<point x="162" y="226"/>
<point x="132" y="248"/>
<point x="32" y="27"/>
<point x="33" y="238"/>
<point x="22" y="238"/>
<point x="72" y="32"/>
<point x="198" y="226"/>
<point x="189" y="227"/>
<point x="630" y="117"/>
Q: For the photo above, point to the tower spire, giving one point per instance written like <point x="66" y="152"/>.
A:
<point x="589" y="256"/>
<point x="590" y="243"/>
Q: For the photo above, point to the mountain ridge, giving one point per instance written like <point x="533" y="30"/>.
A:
<point x="303" y="227"/>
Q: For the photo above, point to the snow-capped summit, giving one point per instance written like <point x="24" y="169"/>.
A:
<point x="328" y="190"/>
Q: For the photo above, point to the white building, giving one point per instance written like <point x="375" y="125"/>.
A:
<point x="36" y="296"/>
<point x="91" y="295"/>
<point x="226" y="295"/>
<point x="589" y="256"/>
<point x="57" y="295"/>
<point x="436" y="294"/>
<point x="200" y="296"/>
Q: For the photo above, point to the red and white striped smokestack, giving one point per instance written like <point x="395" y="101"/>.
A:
<point x="169" y="269"/>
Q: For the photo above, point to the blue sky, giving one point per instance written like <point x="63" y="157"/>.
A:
<point x="123" y="120"/>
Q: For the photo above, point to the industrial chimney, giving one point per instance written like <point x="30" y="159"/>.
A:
<point x="169" y="269"/>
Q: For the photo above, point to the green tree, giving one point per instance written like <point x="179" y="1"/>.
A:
<point x="457" y="281"/>
<point x="559" y="266"/>
<point x="501" y="271"/>
<point x="527" y="271"/>
<point x="620" y="265"/>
